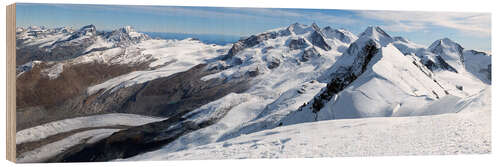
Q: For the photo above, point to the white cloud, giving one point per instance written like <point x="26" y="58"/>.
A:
<point x="333" y="19"/>
<point x="269" y="12"/>
<point x="291" y="14"/>
<point x="469" y="23"/>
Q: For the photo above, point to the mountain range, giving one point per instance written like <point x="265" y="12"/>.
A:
<point x="165" y="98"/>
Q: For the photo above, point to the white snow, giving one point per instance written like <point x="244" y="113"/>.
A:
<point x="232" y="110"/>
<point x="54" y="71"/>
<point x="480" y="101"/>
<point x="277" y="50"/>
<point x="462" y="133"/>
<point x="470" y="83"/>
<point x="179" y="55"/>
<point x="299" y="29"/>
<point x="477" y="64"/>
<point x="472" y="79"/>
<point x="465" y="130"/>
<point x="99" y="43"/>
<point x="393" y="85"/>
<point x="134" y="34"/>
<point x="46" y="39"/>
<point x="374" y="33"/>
<point x="406" y="46"/>
<point x="450" y="51"/>
<point x="43" y="131"/>
<point x="274" y="94"/>
<point x="390" y="81"/>
<point x="339" y="34"/>
<point x="45" y="152"/>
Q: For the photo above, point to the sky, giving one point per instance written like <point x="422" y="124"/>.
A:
<point x="471" y="30"/>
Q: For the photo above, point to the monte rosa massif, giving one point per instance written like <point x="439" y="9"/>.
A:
<point x="296" y="91"/>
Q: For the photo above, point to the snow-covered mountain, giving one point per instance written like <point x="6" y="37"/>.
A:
<point x="211" y="94"/>
<point x="55" y="44"/>
<point x="372" y="78"/>
<point x="382" y="136"/>
<point x="125" y="36"/>
<point x="479" y="64"/>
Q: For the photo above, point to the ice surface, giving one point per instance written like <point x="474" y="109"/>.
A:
<point x="45" y="152"/>
<point x="462" y="133"/>
<point x="43" y="131"/>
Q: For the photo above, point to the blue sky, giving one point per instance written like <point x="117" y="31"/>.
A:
<point x="472" y="30"/>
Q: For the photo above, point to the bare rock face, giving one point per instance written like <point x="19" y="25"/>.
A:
<point x="37" y="92"/>
<point x="317" y="39"/>
<point x="299" y="43"/>
<point x="250" y="42"/>
<point x="165" y="97"/>
<point x="448" y="50"/>
<point x="171" y="97"/>
<point x="308" y="54"/>
<point x="63" y="49"/>
<point x="125" y="36"/>
<point x="273" y="63"/>
<point x="364" y="56"/>
<point x="162" y="97"/>
<point x="346" y="75"/>
<point x="340" y="34"/>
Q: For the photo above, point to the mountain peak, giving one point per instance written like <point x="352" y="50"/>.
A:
<point x="125" y="36"/>
<point x="127" y="29"/>
<point x="315" y="27"/>
<point x="340" y="34"/>
<point x="377" y="34"/>
<point x="297" y="28"/>
<point x="450" y="51"/>
<point x="446" y="43"/>
<point x="86" y="30"/>
<point x="375" y="31"/>
<point x="90" y="27"/>
<point x="64" y="29"/>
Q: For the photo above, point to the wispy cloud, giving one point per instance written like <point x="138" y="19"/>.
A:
<point x="297" y="15"/>
<point x="333" y="19"/>
<point x="468" y="23"/>
<point x="268" y="14"/>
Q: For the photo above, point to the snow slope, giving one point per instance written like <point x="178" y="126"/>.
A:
<point x="167" y="57"/>
<point x="450" y="51"/>
<point x="385" y="82"/>
<point x="373" y="75"/>
<point x="479" y="64"/>
<point x="474" y="66"/>
<point x="460" y="133"/>
<point x="392" y="85"/>
<point x="276" y="91"/>
<point x="41" y="36"/>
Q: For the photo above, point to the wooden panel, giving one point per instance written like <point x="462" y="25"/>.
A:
<point x="11" y="82"/>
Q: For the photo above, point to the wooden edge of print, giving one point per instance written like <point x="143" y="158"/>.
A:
<point x="11" y="82"/>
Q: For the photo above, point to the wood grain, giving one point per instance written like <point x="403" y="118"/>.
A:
<point x="11" y="82"/>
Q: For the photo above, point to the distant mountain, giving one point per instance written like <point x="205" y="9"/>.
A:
<point x="125" y="36"/>
<point x="217" y="39"/>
